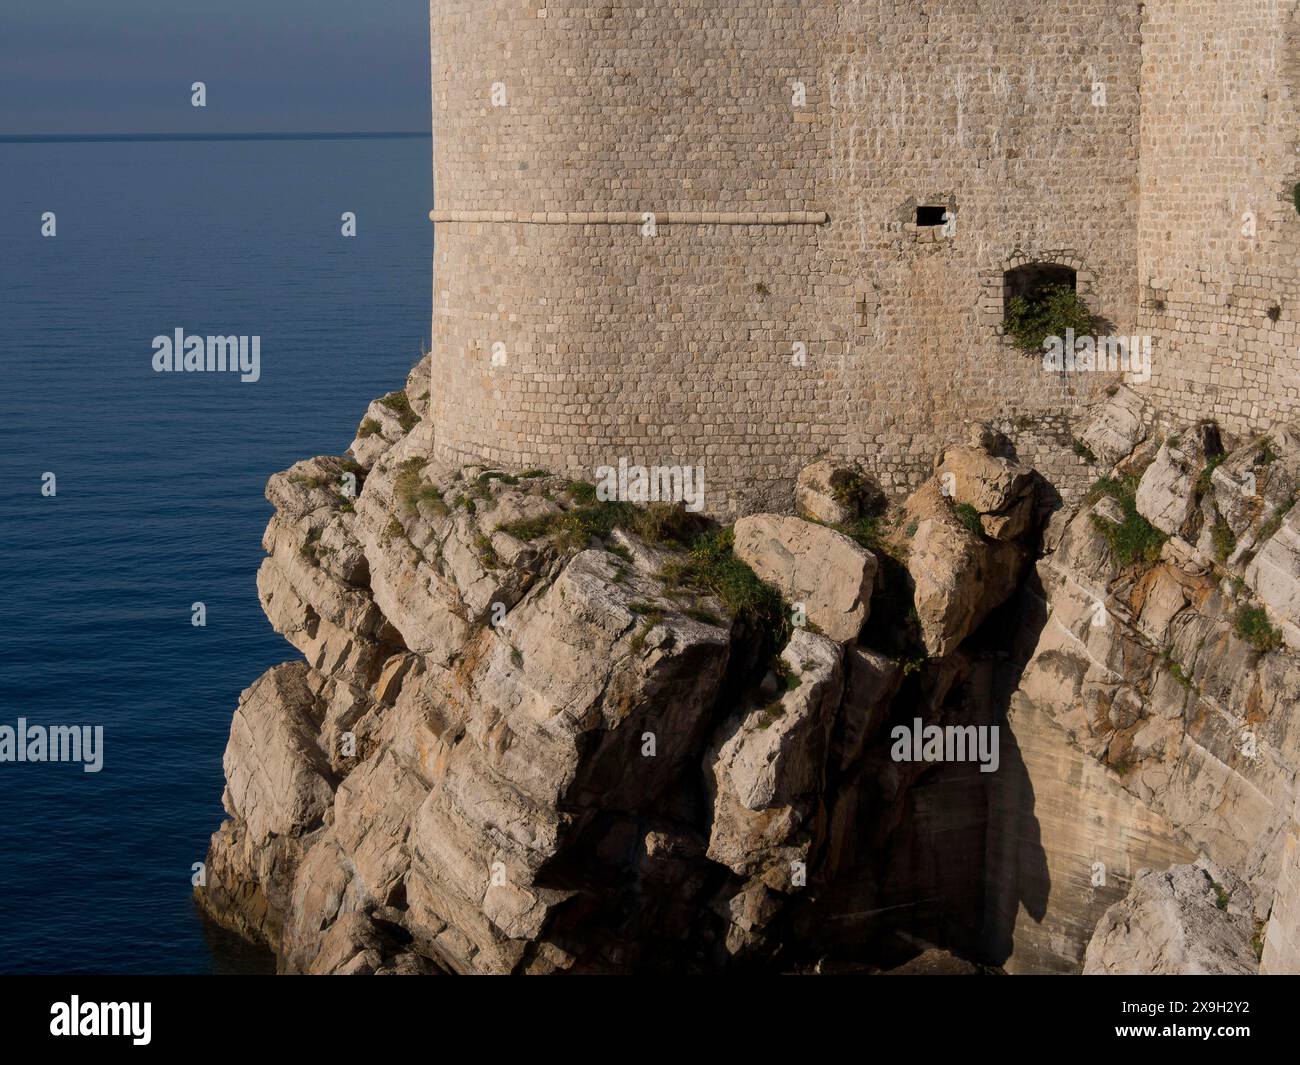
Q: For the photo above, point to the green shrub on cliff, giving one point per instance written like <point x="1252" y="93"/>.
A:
<point x="411" y="489"/>
<point x="398" y="403"/>
<point x="1251" y="624"/>
<point x="711" y="566"/>
<point x="1134" y="539"/>
<point x="969" y="517"/>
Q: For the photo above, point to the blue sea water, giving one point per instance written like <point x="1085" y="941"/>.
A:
<point x="159" y="491"/>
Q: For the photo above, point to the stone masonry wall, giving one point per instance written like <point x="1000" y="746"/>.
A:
<point x="747" y="338"/>
<point x="1219" y="235"/>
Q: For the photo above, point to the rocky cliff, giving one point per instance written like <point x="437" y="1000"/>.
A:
<point x="534" y="731"/>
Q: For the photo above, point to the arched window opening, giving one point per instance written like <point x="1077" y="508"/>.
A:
<point x="1031" y="279"/>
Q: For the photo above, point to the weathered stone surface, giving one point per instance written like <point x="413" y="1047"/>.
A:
<point x="835" y="493"/>
<point x="359" y="944"/>
<point x="767" y="769"/>
<point x="278" y="780"/>
<point x="514" y="751"/>
<point x="438" y="570"/>
<point x="1166" y="494"/>
<point x="1180" y="922"/>
<point x="279" y="793"/>
<point x="1146" y="673"/>
<point x="823" y="569"/>
<point x="1116" y="426"/>
<point x="379" y="430"/>
<point x="958" y="576"/>
<point x="1274" y="574"/>
<point x="1064" y="839"/>
<point x="471" y="760"/>
<point x="1251" y="489"/>
<point x="776" y="753"/>
<point x="1001" y="491"/>
<point x="1281" y="954"/>
<point x="871" y="679"/>
<point x="934" y="962"/>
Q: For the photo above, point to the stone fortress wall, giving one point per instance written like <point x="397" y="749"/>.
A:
<point x="567" y="334"/>
<point x="1219" y="232"/>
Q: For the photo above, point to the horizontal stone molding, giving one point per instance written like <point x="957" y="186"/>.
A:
<point x="636" y="218"/>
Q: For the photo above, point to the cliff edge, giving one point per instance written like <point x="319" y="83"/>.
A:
<point x="536" y="731"/>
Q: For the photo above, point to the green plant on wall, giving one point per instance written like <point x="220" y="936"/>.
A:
<point x="1047" y="311"/>
<point x="1295" y="196"/>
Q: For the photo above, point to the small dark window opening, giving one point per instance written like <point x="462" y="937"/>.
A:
<point x="930" y="216"/>
<point x="1025" y="281"/>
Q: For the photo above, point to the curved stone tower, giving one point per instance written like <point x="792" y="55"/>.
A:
<point x="690" y="234"/>
<point x="1219" y="230"/>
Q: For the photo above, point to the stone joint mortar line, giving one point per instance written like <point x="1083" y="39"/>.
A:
<point x="629" y="218"/>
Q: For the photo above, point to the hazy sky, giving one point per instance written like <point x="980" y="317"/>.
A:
<point x="126" y="66"/>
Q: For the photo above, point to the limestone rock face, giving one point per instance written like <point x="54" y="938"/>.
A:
<point x="1253" y="486"/>
<point x="835" y="493"/>
<point x="1274" y="574"/>
<point x="871" y="680"/>
<point x="775" y="755"/>
<point x="1146" y="670"/>
<point x="1166" y="495"/>
<point x="1115" y="427"/>
<point x="1281" y="954"/>
<point x="531" y="732"/>
<point x="959" y="576"/>
<point x="767" y="774"/>
<point x="379" y="430"/>
<point x="1001" y="491"/>
<point x="1179" y="922"/>
<point x="278" y="780"/>
<point x="493" y="730"/>
<point x="810" y="564"/>
<point x="1149" y="676"/>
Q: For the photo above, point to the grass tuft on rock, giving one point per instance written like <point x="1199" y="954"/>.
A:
<point x="1204" y="480"/>
<point x="707" y="565"/>
<point x="711" y="567"/>
<point x="1225" y="540"/>
<point x="411" y="489"/>
<point x="969" y="517"/>
<point x="400" y="405"/>
<point x="1135" y="540"/>
<point x="866" y="532"/>
<point x="1252" y="625"/>
<point x="670" y="524"/>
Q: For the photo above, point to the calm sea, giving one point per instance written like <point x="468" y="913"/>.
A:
<point x="159" y="491"/>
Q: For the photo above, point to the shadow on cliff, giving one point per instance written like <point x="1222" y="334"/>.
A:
<point x="964" y="861"/>
<point x="1015" y="873"/>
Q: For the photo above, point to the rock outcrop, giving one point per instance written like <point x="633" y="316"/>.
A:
<point x="1116" y="427"/>
<point x="1180" y="922"/>
<point x="534" y="732"/>
<point x="1158" y="661"/>
<point x="836" y="493"/>
<point x="959" y="571"/>
<point x="818" y="567"/>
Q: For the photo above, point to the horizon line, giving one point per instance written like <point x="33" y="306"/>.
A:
<point x="52" y="138"/>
